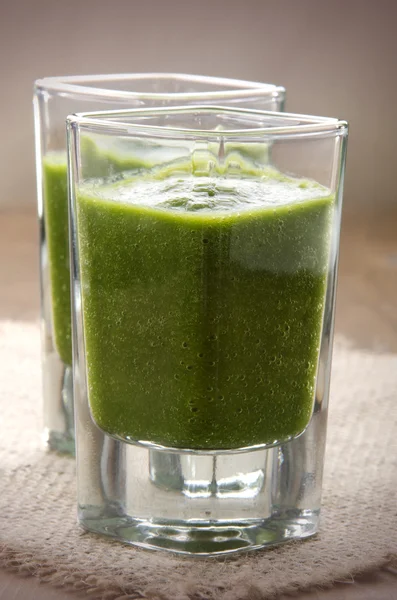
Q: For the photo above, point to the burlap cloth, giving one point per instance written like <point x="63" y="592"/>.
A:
<point x="38" y="528"/>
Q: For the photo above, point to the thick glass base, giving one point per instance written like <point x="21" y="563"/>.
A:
<point x="201" y="504"/>
<point x="63" y="443"/>
<point x="206" y="538"/>
<point x="58" y="405"/>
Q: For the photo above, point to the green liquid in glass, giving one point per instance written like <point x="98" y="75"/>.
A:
<point x="56" y="227"/>
<point x="203" y="301"/>
<point x="57" y="230"/>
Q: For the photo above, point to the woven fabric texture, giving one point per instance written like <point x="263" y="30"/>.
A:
<point x="39" y="534"/>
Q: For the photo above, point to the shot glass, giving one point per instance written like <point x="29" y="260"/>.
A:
<point x="54" y="99"/>
<point x="203" y="308"/>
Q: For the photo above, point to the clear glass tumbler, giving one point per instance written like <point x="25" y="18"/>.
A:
<point x="204" y="276"/>
<point x="54" y="99"/>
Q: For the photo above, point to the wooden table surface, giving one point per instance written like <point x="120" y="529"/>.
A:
<point x="366" y="314"/>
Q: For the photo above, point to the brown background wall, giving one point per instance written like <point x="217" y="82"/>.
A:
<point x="335" y="57"/>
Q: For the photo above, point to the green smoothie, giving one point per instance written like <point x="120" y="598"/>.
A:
<point x="203" y="300"/>
<point x="56" y="225"/>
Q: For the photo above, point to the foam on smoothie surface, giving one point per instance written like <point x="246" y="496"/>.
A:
<point x="203" y="300"/>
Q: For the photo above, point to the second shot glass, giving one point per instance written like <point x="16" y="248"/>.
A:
<point x="54" y="99"/>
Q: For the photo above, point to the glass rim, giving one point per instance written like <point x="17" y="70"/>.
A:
<point x="294" y="124"/>
<point x="234" y="88"/>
